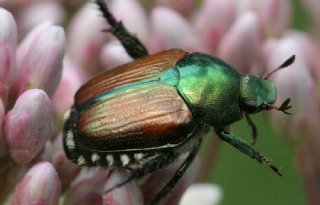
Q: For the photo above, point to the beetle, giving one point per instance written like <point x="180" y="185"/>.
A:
<point x="143" y="115"/>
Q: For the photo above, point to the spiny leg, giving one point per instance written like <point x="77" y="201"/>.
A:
<point x="131" y="43"/>
<point x="245" y="148"/>
<point x="156" y="162"/>
<point x="177" y="176"/>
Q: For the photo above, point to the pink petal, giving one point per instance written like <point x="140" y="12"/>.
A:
<point x="39" y="59"/>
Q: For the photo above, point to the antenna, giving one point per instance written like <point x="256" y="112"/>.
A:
<point x="288" y="62"/>
<point x="283" y="107"/>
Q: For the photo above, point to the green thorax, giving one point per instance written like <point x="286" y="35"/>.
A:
<point x="210" y="87"/>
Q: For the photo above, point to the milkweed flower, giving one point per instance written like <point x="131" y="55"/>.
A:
<point x="30" y="72"/>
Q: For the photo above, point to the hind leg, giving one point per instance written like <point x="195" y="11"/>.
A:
<point x="177" y="176"/>
<point x="131" y="43"/>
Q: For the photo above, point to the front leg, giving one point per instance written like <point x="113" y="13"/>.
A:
<point x="245" y="148"/>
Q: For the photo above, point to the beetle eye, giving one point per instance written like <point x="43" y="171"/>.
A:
<point x="250" y="107"/>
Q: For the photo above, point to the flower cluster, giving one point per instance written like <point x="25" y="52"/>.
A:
<point x="40" y="75"/>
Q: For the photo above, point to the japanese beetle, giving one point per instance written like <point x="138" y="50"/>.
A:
<point x="143" y="115"/>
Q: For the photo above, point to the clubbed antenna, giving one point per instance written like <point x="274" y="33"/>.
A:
<point x="288" y="62"/>
<point x="283" y="107"/>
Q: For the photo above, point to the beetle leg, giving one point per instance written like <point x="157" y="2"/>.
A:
<point x="130" y="42"/>
<point x="177" y="176"/>
<point x="153" y="163"/>
<point x="245" y="148"/>
<point x="253" y="128"/>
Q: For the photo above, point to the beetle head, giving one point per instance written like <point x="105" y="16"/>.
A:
<point x="257" y="94"/>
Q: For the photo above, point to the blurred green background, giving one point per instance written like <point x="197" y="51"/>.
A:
<point x="246" y="182"/>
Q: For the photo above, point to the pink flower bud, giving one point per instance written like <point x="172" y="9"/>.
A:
<point x="113" y="54"/>
<point x="28" y="125"/>
<point x="85" y="37"/>
<point x="241" y="44"/>
<point x="173" y="30"/>
<point x="8" y="41"/>
<point x="129" y="193"/>
<point x="87" y="188"/>
<point x="41" y="185"/>
<point x="39" y="59"/>
<point x="213" y="19"/>
<point x="204" y="194"/>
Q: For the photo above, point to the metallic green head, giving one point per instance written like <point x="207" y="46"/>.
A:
<point x="257" y="94"/>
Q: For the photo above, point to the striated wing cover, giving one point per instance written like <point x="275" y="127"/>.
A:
<point x="139" y="116"/>
<point x="137" y="70"/>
